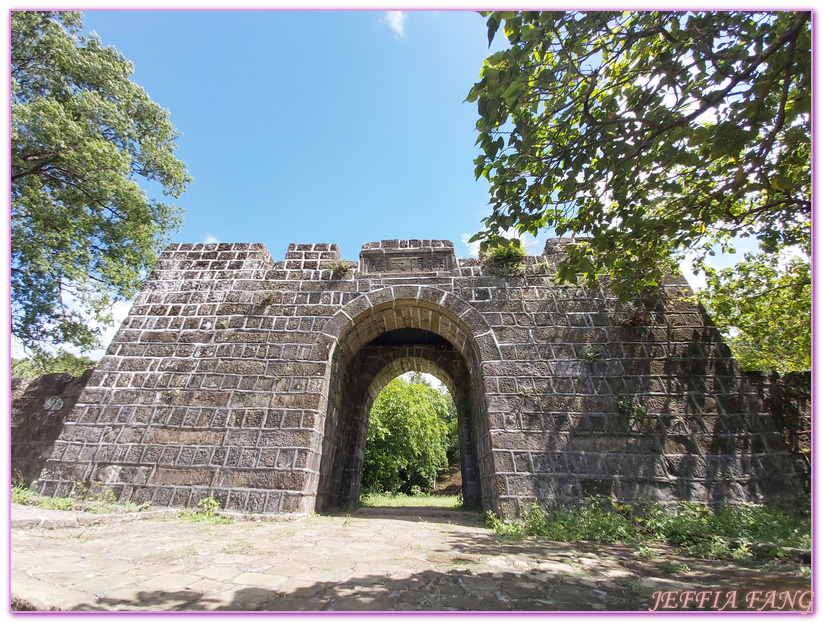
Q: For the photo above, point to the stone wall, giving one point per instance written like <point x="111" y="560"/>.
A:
<point x="38" y="409"/>
<point x="788" y="399"/>
<point x="251" y="380"/>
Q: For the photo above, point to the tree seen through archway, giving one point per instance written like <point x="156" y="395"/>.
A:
<point x="412" y="437"/>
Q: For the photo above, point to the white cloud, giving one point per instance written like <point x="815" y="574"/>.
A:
<point x="473" y="248"/>
<point x="396" y="21"/>
<point x="209" y="239"/>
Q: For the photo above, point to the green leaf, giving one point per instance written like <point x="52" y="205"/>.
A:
<point x="511" y="94"/>
<point x="493" y="25"/>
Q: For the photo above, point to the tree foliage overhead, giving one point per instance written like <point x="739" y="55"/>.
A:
<point x="83" y="232"/>
<point x="407" y="438"/>
<point x="657" y="135"/>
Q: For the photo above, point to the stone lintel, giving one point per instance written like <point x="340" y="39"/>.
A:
<point x="392" y="256"/>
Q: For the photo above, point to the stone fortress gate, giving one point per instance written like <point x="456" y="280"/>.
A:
<point x="252" y="380"/>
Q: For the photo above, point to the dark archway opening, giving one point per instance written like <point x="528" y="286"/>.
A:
<point x="358" y="378"/>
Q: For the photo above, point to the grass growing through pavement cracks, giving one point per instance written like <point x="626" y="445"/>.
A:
<point x="731" y="533"/>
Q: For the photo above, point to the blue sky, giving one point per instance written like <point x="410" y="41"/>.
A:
<point x="318" y="126"/>
<point x="343" y="126"/>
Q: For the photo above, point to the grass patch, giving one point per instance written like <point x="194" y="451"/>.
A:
<point x="453" y="502"/>
<point x="729" y="533"/>
<point x="195" y="516"/>
<point x="98" y="501"/>
<point x="21" y="494"/>
<point x="58" y="504"/>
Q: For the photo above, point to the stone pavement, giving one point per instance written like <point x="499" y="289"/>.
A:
<point x="374" y="559"/>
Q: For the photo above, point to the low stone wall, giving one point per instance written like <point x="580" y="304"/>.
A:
<point x="38" y="410"/>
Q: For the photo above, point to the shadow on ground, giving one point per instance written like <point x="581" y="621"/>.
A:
<point x="429" y="590"/>
<point x="464" y="590"/>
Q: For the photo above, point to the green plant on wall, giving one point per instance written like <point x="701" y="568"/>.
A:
<point x="505" y="259"/>
<point x="340" y="268"/>
<point x="636" y="415"/>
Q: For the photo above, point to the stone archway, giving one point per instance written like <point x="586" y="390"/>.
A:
<point x="380" y="336"/>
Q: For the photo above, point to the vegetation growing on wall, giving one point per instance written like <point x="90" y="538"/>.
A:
<point x="505" y="259"/>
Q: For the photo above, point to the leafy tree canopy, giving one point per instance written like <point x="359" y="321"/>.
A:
<point x="45" y="363"/>
<point x="764" y="305"/>
<point x="83" y="232"/>
<point x="658" y="136"/>
<point x="407" y="438"/>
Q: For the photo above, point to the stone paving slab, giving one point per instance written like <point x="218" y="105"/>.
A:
<point x="363" y="561"/>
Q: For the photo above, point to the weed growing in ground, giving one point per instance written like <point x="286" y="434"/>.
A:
<point x="671" y="567"/>
<point x="644" y="551"/>
<point x="21" y="494"/>
<point x="730" y="533"/>
<point x="58" y="504"/>
<point x="433" y="600"/>
<point x="631" y="584"/>
<point x="209" y="505"/>
<point x="98" y="500"/>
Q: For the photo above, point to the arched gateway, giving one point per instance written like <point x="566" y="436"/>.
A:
<point x="381" y="335"/>
<point x="252" y="381"/>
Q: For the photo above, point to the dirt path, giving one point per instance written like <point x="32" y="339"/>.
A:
<point x="403" y="559"/>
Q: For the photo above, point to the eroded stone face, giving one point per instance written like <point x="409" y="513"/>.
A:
<point x="250" y="380"/>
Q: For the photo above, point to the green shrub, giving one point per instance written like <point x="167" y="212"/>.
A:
<point x="728" y="534"/>
<point x="505" y="259"/>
